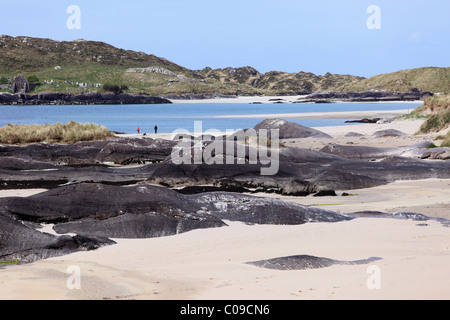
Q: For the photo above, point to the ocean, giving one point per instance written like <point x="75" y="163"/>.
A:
<point x="170" y="117"/>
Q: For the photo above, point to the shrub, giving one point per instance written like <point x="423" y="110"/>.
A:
<point x="33" y="79"/>
<point x="4" y="80"/>
<point x="114" y="88"/>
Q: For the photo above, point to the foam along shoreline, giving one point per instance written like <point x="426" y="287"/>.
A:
<point x="329" y="115"/>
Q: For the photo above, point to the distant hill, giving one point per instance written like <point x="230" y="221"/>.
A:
<point x="77" y="66"/>
<point x="431" y="79"/>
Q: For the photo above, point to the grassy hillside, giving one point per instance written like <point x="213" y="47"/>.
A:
<point x="278" y="83"/>
<point x="62" y="66"/>
<point x="430" y="79"/>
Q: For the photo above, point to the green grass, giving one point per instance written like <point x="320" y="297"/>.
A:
<point x="446" y="142"/>
<point x="436" y="122"/>
<point x="70" y="132"/>
<point x="438" y="102"/>
<point x="9" y="262"/>
<point x="431" y="79"/>
<point x="416" y="114"/>
<point x="435" y="111"/>
<point x="438" y="109"/>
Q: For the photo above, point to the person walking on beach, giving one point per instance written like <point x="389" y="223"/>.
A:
<point x="138" y="130"/>
<point x="156" y="128"/>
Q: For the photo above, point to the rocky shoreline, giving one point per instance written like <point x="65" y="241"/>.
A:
<point x="93" y="98"/>
<point x="131" y="188"/>
<point x="365" y="96"/>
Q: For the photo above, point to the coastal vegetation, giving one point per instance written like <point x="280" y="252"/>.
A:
<point x="432" y="79"/>
<point x="9" y="262"/>
<point x="446" y="142"/>
<point x="70" y="132"/>
<point x="437" y="111"/>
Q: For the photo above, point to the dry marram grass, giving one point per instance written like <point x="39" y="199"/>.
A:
<point x="70" y="132"/>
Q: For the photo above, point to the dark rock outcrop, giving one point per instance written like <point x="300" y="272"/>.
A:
<point x="366" y="96"/>
<point x="302" y="172"/>
<point x="98" y="202"/>
<point x="121" y="151"/>
<point x="20" y="241"/>
<point x="365" y="120"/>
<point x="45" y="98"/>
<point x="290" y="130"/>
<point x="303" y="262"/>
<point x="388" y="133"/>
<point x="416" y="151"/>
<point x="96" y="212"/>
<point x="299" y="171"/>
<point x="353" y="134"/>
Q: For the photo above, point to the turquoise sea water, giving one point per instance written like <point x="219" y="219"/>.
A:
<point x="170" y="117"/>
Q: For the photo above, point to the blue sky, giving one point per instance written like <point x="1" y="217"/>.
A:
<point x="285" y="35"/>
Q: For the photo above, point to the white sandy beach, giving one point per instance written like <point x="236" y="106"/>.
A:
<point x="260" y="99"/>
<point x="328" y="115"/>
<point x="211" y="264"/>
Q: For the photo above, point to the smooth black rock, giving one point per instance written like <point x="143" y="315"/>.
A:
<point x="388" y="133"/>
<point x="290" y="130"/>
<point x="20" y="241"/>
<point x="114" y="150"/>
<point x="303" y="262"/>
<point x="365" y="120"/>
<point x="140" y="226"/>
<point x="88" y="209"/>
<point x="416" y="151"/>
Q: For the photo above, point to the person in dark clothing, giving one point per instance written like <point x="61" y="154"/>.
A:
<point x="156" y="128"/>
